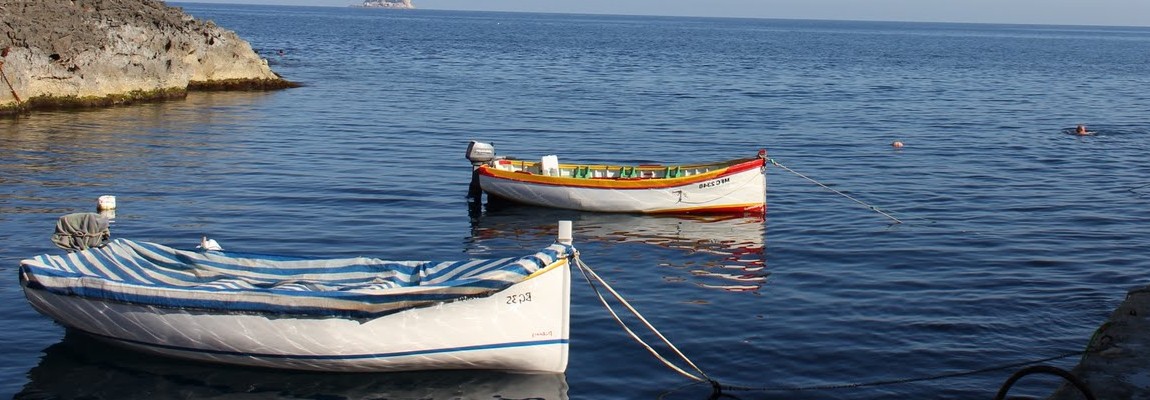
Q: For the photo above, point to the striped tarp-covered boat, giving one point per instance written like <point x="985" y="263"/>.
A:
<point x="347" y="314"/>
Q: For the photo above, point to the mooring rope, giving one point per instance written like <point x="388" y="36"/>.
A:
<point x="1136" y="188"/>
<point x="588" y="273"/>
<point x="717" y="388"/>
<point x="4" y="54"/>
<point x="904" y="380"/>
<point x="10" y="88"/>
<point x="873" y="208"/>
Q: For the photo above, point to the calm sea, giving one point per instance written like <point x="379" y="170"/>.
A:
<point x="1017" y="241"/>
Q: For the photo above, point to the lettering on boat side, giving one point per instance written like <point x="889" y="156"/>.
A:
<point x="519" y="298"/>
<point x="541" y="334"/>
<point x="714" y="183"/>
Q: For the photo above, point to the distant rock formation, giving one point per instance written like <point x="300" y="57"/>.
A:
<point x="78" y="53"/>
<point x="404" y="4"/>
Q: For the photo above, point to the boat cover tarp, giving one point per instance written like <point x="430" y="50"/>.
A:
<point x="150" y="274"/>
<point x="79" y="231"/>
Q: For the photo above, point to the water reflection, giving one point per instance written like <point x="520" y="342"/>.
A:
<point x="79" y="367"/>
<point x="715" y="251"/>
<point x="70" y="153"/>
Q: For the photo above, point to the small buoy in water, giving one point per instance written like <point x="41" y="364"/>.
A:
<point x="106" y="203"/>
<point x="896" y="144"/>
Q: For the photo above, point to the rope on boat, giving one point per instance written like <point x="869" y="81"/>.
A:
<point x="873" y="208"/>
<point x="588" y="274"/>
<point x="717" y="388"/>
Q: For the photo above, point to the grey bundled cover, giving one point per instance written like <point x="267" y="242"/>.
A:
<point x="80" y="231"/>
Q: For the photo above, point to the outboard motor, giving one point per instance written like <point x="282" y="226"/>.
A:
<point x="81" y="231"/>
<point x="478" y="153"/>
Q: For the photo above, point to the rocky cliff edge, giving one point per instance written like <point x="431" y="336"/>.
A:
<point x="83" y="53"/>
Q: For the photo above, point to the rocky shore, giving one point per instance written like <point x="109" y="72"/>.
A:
<point x="1116" y="364"/>
<point x="92" y="53"/>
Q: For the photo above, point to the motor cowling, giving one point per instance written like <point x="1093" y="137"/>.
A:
<point x="480" y="153"/>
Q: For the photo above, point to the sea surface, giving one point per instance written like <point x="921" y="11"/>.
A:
<point x="1017" y="238"/>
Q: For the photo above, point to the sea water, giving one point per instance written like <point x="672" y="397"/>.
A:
<point x="1016" y="239"/>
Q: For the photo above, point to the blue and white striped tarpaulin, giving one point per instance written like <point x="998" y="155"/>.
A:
<point x="155" y="275"/>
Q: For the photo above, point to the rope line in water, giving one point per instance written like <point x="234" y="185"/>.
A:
<point x="717" y="388"/>
<point x="588" y="273"/>
<point x="901" y="381"/>
<point x="873" y="208"/>
<point x="1136" y="189"/>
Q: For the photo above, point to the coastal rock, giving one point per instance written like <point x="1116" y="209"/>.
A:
<point x="1116" y="364"/>
<point x="71" y="53"/>
<point x="402" y="4"/>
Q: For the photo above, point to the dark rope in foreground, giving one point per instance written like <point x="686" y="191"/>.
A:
<point x="1045" y="369"/>
<point x="717" y="388"/>
<point x="902" y="381"/>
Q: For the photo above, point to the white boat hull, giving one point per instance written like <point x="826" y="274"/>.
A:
<point x="741" y="191"/>
<point x="521" y="328"/>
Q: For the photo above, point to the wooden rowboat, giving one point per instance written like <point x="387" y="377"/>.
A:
<point x="732" y="186"/>
<point x="321" y="314"/>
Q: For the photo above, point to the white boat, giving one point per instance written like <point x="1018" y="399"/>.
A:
<point x="337" y="315"/>
<point x="732" y="186"/>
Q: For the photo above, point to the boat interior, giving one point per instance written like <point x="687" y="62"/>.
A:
<point x="550" y="166"/>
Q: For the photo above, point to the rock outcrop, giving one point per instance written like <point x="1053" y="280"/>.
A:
<point x="1116" y="364"/>
<point x="402" y="4"/>
<point x="76" y="53"/>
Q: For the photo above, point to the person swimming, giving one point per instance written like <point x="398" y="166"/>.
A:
<point x="1081" y="130"/>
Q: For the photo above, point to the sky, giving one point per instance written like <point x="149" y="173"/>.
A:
<point x="1054" y="12"/>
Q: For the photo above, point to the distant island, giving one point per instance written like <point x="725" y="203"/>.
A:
<point x="401" y="4"/>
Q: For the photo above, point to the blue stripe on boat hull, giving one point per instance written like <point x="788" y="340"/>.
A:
<point x="495" y="346"/>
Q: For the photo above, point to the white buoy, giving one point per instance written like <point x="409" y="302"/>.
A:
<point x="106" y="203"/>
<point x="565" y="232"/>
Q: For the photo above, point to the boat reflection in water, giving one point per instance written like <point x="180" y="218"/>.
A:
<point x="723" y="252"/>
<point x="80" y="367"/>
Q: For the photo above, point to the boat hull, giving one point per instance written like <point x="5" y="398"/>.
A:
<point x="521" y="328"/>
<point x="739" y="189"/>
